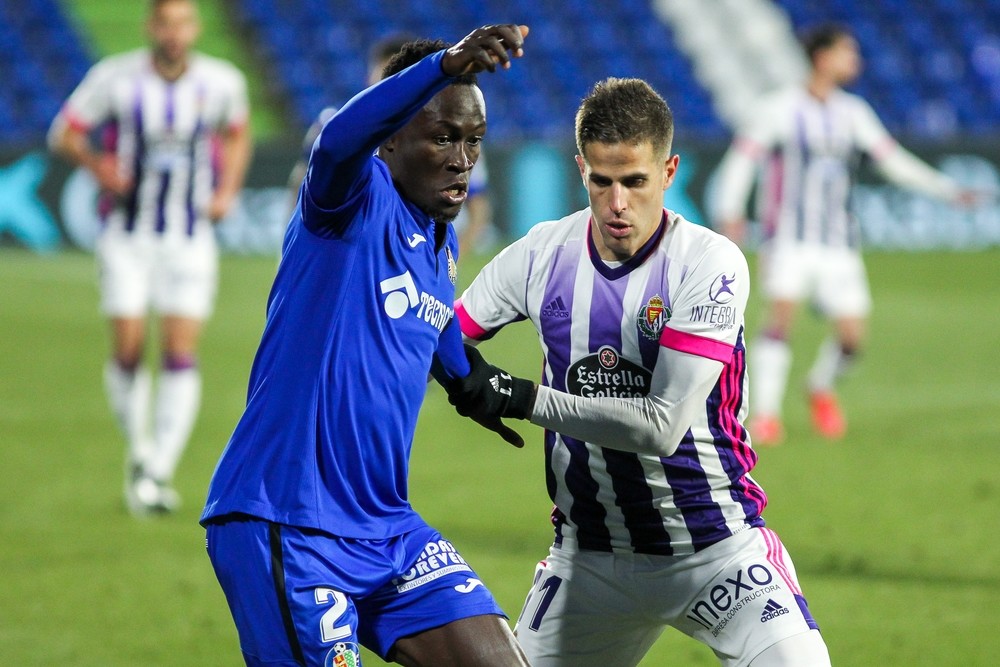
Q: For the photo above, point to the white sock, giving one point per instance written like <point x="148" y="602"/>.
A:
<point x="770" y="360"/>
<point x="178" y="398"/>
<point x="830" y="364"/>
<point x="128" y="393"/>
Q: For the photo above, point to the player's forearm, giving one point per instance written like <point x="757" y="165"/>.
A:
<point x="237" y="149"/>
<point x="74" y="146"/>
<point x="903" y="168"/>
<point x="646" y="425"/>
<point x="368" y="119"/>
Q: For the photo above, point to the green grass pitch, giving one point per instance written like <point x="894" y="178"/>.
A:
<point x="893" y="530"/>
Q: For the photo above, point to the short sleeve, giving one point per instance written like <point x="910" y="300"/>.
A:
<point x="869" y="131"/>
<point x="498" y="294"/>
<point x="707" y="310"/>
<point x="90" y="104"/>
<point x="236" y="109"/>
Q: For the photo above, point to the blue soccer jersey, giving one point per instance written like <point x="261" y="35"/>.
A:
<point x="363" y="293"/>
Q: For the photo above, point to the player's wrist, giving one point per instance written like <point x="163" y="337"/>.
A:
<point x="522" y="399"/>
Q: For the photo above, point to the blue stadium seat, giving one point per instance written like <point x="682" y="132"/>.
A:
<point x="41" y="60"/>
<point x="909" y="64"/>
<point x="926" y="61"/>
<point x="628" y="40"/>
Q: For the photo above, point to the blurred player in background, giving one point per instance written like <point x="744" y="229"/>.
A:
<point x="807" y="143"/>
<point x="474" y="221"/>
<point x="640" y="317"/>
<point x="175" y="149"/>
<point x="308" y="520"/>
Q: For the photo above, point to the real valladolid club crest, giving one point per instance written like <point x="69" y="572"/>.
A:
<point x="652" y="317"/>
<point x="452" y="267"/>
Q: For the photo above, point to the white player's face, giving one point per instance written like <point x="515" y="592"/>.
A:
<point x="842" y="60"/>
<point x="173" y="29"/>
<point x="625" y="183"/>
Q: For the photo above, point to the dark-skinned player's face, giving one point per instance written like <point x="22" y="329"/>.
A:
<point x="432" y="157"/>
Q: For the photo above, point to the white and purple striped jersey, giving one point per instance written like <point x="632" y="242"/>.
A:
<point x="651" y="344"/>
<point x="163" y="134"/>
<point x="808" y="151"/>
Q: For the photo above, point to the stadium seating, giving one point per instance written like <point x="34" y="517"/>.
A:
<point x="933" y="66"/>
<point x="41" y="60"/>
<point x="317" y="50"/>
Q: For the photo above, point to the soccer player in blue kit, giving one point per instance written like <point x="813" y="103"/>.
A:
<point x="308" y="523"/>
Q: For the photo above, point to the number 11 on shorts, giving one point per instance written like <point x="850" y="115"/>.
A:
<point x="539" y="598"/>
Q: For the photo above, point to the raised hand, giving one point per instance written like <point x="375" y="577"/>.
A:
<point x="483" y="48"/>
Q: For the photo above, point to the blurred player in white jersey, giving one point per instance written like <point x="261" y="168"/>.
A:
<point x="807" y="142"/>
<point x="640" y="318"/>
<point x="173" y="155"/>
<point x="474" y="222"/>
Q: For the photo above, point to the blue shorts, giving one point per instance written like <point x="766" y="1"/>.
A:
<point x="305" y="597"/>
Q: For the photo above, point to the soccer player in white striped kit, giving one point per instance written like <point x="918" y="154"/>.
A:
<point x="643" y="394"/>
<point x="176" y="146"/>
<point x="807" y="142"/>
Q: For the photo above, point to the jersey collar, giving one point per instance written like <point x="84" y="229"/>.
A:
<point x="626" y="267"/>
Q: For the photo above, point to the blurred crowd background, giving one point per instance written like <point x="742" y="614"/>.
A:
<point x="932" y="74"/>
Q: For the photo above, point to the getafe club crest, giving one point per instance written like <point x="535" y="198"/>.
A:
<point x="344" y="654"/>
<point x="652" y="317"/>
<point x="452" y="267"/>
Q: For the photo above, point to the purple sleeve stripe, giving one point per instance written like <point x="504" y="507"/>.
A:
<point x="699" y="345"/>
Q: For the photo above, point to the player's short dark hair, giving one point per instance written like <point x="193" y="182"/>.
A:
<point x="628" y="111"/>
<point x="416" y="50"/>
<point x="821" y="37"/>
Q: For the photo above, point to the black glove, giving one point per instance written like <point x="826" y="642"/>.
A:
<point x="488" y="393"/>
<point x="506" y="432"/>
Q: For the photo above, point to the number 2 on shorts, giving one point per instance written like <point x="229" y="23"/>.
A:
<point x="329" y="631"/>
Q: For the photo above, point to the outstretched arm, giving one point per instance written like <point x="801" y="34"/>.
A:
<point x="692" y="356"/>
<point x="653" y="424"/>
<point x="349" y="138"/>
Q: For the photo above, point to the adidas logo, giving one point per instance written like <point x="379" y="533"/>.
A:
<point x="495" y="383"/>
<point x="555" y="308"/>
<point x="771" y="611"/>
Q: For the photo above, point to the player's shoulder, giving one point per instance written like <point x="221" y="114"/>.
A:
<point x="213" y="66"/>
<point x="784" y="97"/>
<point x="558" y="232"/>
<point x="851" y="102"/>
<point x="124" y="63"/>
<point x="697" y="242"/>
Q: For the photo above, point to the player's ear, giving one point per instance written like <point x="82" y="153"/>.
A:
<point x="670" y="170"/>
<point x="582" y="165"/>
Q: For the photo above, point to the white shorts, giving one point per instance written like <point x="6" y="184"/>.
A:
<point x="833" y="278"/>
<point x="169" y="275"/>
<point x="739" y="597"/>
